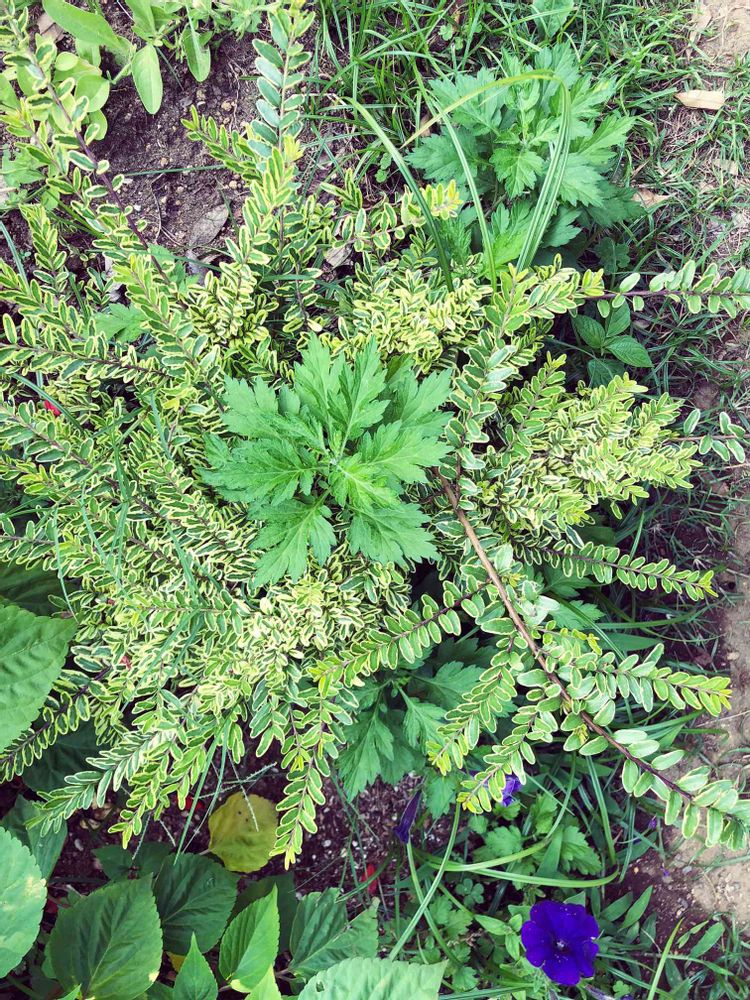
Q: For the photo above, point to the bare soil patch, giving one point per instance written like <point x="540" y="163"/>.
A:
<point x="722" y="29"/>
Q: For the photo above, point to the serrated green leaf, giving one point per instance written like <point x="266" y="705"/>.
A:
<point x="293" y="531"/>
<point x="32" y="654"/>
<point x="392" y="534"/>
<point x="195" y="981"/>
<point x="630" y="352"/>
<point x="28" y="587"/>
<point x="194" y="896"/>
<point x="249" y="947"/>
<point x="109" y="943"/>
<point x="376" y="979"/>
<point x="22" y="896"/>
<point x="589" y="330"/>
<point x="368" y="742"/>
<point x="45" y="847"/>
<point x="323" y="935"/>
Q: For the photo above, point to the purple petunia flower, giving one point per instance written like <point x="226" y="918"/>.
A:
<point x="559" y="939"/>
<point x="403" y="830"/>
<point x="512" y="784"/>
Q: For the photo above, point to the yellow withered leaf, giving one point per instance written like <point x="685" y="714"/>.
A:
<point x="243" y="832"/>
<point x="702" y="100"/>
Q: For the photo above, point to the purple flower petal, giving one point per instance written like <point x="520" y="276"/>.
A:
<point x="559" y="939"/>
<point x="572" y="922"/>
<point x="585" y="956"/>
<point x="403" y="829"/>
<point x="538" y="943"/>
<point x="545" y="913"/>
<point x="562" y="969"/>
<point x="512" y="784"/>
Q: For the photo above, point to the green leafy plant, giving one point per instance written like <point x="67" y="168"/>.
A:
<point x="503" y="134"/>
<point x="77" y="79"/>
<point x="186" y="29"/>
<point x="399" y="712"/>
<point x="33" y="649"/>
<point x="344" y="432"/>
<point x="21" y="901"/>
<point x="111" y="942"/>
<point x="565" y="835"/>
<point x="202" y="621"/>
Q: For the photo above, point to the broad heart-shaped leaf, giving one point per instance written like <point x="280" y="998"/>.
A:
<point x="250" y="945"/>
<point x="22" y="895"/>
<point x="195" y="981"/>
<point x="109" y="943"/>
<point x="45" y="847"/>
<point x="376" y="979"/>
<point x="323" y="935"/>
<point x="147" y="78"/>
<point x="29" y="588"/>
<point x="32" y="654"/>
<point x="194" y="896"/>
<point x="243" y="832"/>
<point x="67" y="755"/>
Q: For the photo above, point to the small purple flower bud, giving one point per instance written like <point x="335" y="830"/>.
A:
<point x="403" y="830"/>
<point x="512" y="784"/>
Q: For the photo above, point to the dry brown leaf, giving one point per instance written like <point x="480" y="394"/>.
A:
<point x="337" y="256"/>
<point x="47" y="27"/>
<point x="650" y="199"/>
<point x="730" y="167"/>
<point x="208" y="226"/>
<point x="702" y="19"/>
<point x="702" y="100"/>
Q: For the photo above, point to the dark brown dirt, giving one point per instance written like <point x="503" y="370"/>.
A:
<point x="171" y="181"/>
<point x="349" y="837"/>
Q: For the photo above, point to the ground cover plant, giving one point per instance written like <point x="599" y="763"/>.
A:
<point x="339" y="499"/>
